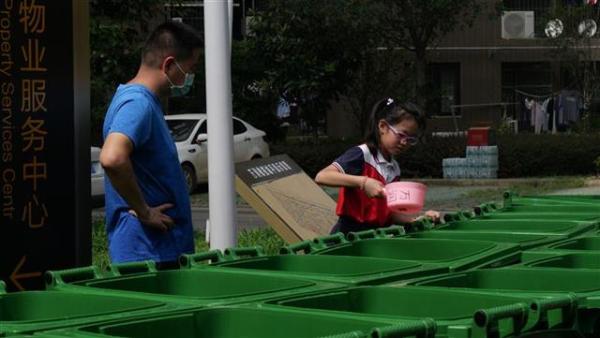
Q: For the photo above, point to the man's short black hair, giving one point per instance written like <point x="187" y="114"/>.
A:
<point x="170" y="38"/>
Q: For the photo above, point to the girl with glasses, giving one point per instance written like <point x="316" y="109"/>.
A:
<point x="363" y="171"/>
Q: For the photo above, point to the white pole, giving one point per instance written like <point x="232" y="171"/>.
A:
<point x="221" y="191"/>
<point x="230" y="9"/>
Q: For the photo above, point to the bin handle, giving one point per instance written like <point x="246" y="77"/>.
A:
<point x="488" y="319"/>
<point x="132" y="268"/>
<point x="305" y="246"/>
<point x="237" y="253"/>
<point x="330" y="240"/>
<point x="391" y="231"/>
<point x="451" y="217"/>
<point x="423" y="223"/>
<point x="189" y="260"/>
<point x="508" y="196"/>
<point x="465" y="215"/>
<point x="425" y="328"/>
<point x="360" y="235"/>
<point x="55" y="278"/>
<point x="567" y="304"/>
<point x="2" y="288"/>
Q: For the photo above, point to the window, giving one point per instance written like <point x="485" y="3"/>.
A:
<point x="238" y="127"/>
<point x="445" y="82"/>
<point x="181" y="129"/>
<point x="520" y="79"/>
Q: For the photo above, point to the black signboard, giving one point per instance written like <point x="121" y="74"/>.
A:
<point x="266" y="169"/>
<point x="43" y="193"/>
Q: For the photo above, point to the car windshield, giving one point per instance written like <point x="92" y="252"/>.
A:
<point x="181" y="129"/>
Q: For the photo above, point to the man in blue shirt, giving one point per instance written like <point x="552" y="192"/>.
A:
<point x="148" y="214"/>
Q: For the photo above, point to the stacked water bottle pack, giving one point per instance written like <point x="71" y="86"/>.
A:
<point x="480" y="162"/>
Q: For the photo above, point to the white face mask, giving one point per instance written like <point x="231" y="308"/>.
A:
<point x="181" y="90"/>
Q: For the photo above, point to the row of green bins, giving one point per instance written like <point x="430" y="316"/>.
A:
<point x="254" y="321"/>
<point x="525" y="241"/>
<point x="457" y="313"/>
<point x="521" y="226"/>
<point x="198" y="287"/>
<point x="31" y="311"/>
<point x="516" y="200"/>
<point x="542" y="207"/>
<point x="388" y="243"/>
<point x="336" y="269"/>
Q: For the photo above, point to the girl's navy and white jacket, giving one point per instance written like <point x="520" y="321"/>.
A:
<point x="354" y="206"/>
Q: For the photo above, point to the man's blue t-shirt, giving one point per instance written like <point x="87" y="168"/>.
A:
<point x="136" y="113"/>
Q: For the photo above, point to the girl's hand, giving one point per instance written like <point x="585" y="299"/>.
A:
<point x="373" y="188"/>
<point x="435" y="216"/>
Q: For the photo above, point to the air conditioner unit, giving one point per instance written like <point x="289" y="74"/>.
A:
<point x="518" y="25"/>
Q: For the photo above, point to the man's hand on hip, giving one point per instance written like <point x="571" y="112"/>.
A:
<point x="155" y="218"/>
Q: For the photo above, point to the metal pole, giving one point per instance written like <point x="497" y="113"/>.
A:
<point x="230" y="10"/>
<point x="221" y="191"/>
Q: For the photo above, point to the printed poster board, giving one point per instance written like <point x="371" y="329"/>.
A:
<point x="286" y="198"/>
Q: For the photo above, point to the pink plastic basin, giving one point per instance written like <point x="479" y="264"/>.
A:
<point x="405" y="197"/>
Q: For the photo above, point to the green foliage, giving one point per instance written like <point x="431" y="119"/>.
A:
<point x="416" y="25"/>
<point x="99" y="245"/>
<point x="382" y="72"/>
<point x="311" y="48"/>
<point x="117" y="32"/>
<point x="597" y="165"/>
<point x="574" y="51"/>
<point x="251" y="100"/>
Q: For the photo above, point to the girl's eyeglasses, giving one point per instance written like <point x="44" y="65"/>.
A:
<point x="403" y="136"/>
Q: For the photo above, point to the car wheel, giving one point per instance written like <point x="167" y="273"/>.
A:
<point x="190" y="177"/>
<point x="256" y="157"/>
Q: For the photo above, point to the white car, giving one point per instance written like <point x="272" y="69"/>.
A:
<point x="97" y="181"/>
<point x="189" y="134"/>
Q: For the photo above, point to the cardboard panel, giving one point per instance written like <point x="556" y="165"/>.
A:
<point x="286" y="198"/>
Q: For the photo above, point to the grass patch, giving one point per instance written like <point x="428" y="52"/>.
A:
<point x="267" y="238"/>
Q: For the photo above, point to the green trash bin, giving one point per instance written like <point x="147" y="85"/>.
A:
<point x="525" y="241"/>
<point x="520" y="215"/>
<point x="338" y="269"/>
<point x="260" y="322"/>
<point x="185" y="286"/>
<point x="455" y="254"/>
<point x="457" y="313"/>
<point x="520" y="226"/>
<point x="561" y="259"/>
<point x="592" y="209"/>
<point x="543" y="200"/>
<point x="519" y="280"/>
<point x="590" y="243"/>
<point x="31" y="311"/>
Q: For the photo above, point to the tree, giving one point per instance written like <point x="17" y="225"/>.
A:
<point x="416" y="25"/>
<point x="117" y="32"/>
<point x="574" y="49"/>
<point x="311" y="48"/>
<point x="382" y="72"/>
